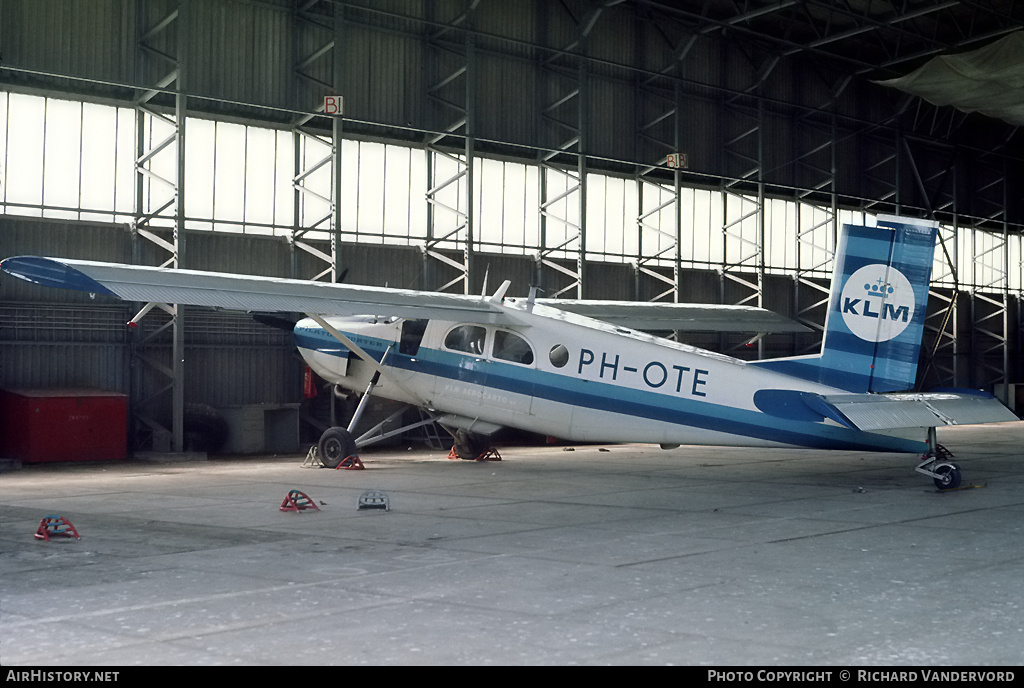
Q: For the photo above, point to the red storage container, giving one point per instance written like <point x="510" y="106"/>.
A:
<point x="63" y="425"/>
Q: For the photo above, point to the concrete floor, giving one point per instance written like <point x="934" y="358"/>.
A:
<point x="601" y="555"/>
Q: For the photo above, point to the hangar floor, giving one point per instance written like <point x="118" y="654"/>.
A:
<point x="601" y="555"/>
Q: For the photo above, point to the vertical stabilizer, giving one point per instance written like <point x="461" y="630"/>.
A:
<point x="876" y="310"/>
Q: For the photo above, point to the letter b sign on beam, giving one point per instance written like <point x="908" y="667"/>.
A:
<point x="334" y="105"/>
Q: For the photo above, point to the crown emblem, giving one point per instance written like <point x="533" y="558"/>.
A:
<point x="879" y="288"/>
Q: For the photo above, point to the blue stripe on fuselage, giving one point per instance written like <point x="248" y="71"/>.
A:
<point x="602" y="396"/>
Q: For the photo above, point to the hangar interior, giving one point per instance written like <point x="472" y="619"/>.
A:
<point x="700" y="152"/>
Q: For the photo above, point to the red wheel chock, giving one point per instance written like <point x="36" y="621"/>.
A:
<point x="55" y="525"/>
<point x="489" y="455"/>
<point x="350" y="463"/>
<point x="298" y="501"/>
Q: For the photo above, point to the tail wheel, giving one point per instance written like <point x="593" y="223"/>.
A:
<point x="336" y="445"/>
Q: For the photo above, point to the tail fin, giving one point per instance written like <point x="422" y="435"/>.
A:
<point x="876" y="310"/>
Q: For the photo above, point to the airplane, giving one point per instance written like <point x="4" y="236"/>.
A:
<point x="586" y="371"/>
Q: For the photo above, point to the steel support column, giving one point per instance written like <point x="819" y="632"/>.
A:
<point x="562" y="125"/>
<point x="451" y="214"/>
<point x="162" y="44"/>
<point x="317" y="38"/>
<point x="816" y="224"/>
<point x="658" y="220"/>
<point x="743" y="201"/>
<point x="990" y="296"/>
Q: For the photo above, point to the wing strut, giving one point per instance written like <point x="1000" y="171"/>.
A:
<point x="366" y="395"/>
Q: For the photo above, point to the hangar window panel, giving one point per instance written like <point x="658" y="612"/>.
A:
<point x="371" y="191"/>
<point x="655" y="233"/>
<point x="779" y="223"/>
<point x="4" y="133"/>
<point x="707" y="228"/>
<point x="284" y="194"/>
<point x="315" y="203"/>
<point x="124" y="181"/>
<point x="741" y="229"/>
<point x="942" y="272"/>
<point x="814" y="230"/>
<point x="963" y="256"/>
<point x="611" y="225"/>
<point x="979" y="257"/>
<point x="259" y="180"/>
<point x="158" y="187"/>
<point x="229" y="166"/>
<point x="989" y="254"/>
<point x="200" y="144"/>
<point x="417" y="201"/>
<point x="449" y="199"/>
<point x="506" y="203"/>
<point x="350" y="181"/>
<point x="397" y="190"/>
<point x="522" y="227"/>
<point x="562" y="216"/>
<point x="624" y="205"/>
<point x="1016" y="276"/>
<point x="62" y="157"/>
<point x="597" y="220"/>
<point x="490" y="201"/>
<point x="99" y="160"/>
<point x="856" y="217"/>
<point x="686" y="220"/>
<point x="24" y="161"/>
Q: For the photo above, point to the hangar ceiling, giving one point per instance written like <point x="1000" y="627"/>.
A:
<point x="883" y="41"/>
<point x="876" y="38"/>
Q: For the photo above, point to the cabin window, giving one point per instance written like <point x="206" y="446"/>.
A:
<point x="412" y="336"/>
<point x="509" y="346"/>
<point x="467" y="338"/>
<point x="558" y="355"/>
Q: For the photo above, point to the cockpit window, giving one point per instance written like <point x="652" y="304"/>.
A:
<point x="509" y="346"/>
<point x="467" y="338"/>
<point x="412" y="335"/>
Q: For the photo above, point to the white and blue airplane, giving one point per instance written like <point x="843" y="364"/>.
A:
<point x="585" y="371"/>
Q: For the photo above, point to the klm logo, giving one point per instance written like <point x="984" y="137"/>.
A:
<point x="877" y="303"/>
<point x="880" y="292"/>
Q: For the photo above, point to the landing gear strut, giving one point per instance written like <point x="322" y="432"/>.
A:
<point x="935" y="465"/>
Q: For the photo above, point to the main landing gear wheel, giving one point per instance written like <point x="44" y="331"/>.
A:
<point x="336" y="445"/>
<point x="949" y="476"/>
<point x="469" y="445"/>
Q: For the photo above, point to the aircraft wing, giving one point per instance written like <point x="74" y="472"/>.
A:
<point x="679" y="316"/>
<point x="248" y="293"/>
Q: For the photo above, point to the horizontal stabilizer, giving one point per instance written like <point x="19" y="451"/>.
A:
<point x="870" y="412"/>
<point x="889" y="411"/>
<point x="696" y="317"/>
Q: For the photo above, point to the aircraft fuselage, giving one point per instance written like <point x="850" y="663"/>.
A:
<point x="578" y="379"/>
